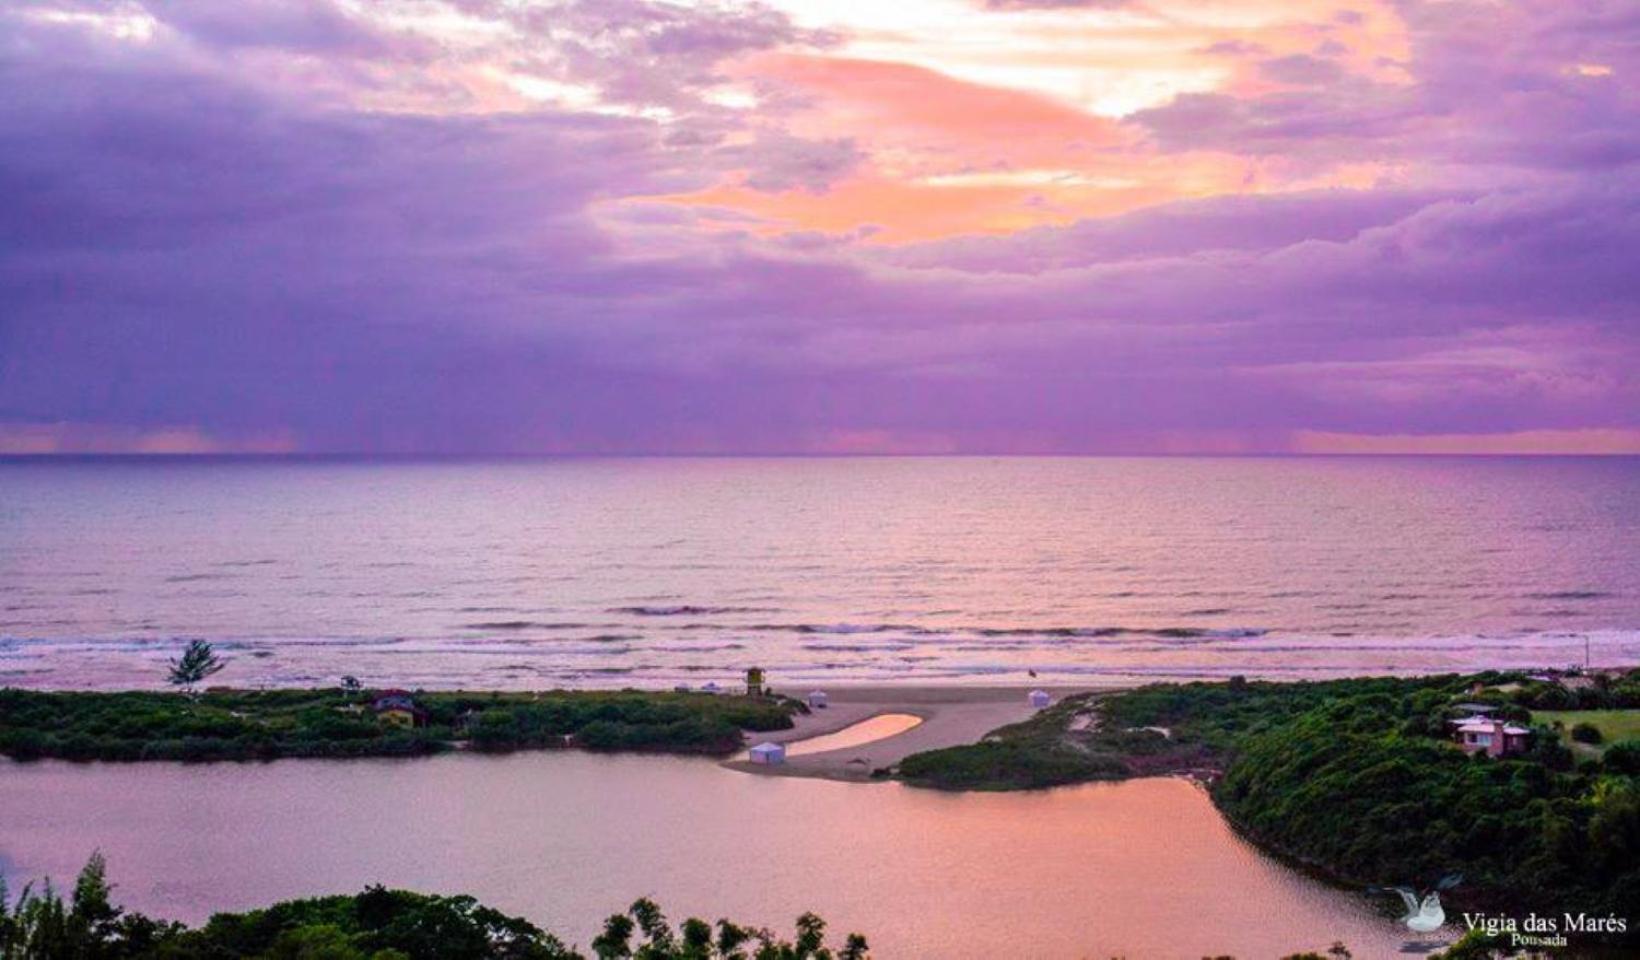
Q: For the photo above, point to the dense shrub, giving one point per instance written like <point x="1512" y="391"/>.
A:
<point x="259" y="725"/>
<point x="1006" y="765"/>
<point x="1623" y="758"/>
<point x="1623" y="693"/>
<point x="1343" y="788"/>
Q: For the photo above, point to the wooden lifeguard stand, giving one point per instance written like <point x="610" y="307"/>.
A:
<point x="754" y="682"/>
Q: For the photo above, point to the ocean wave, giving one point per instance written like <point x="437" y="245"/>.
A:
<point x="530" y="625"/>
<point x="863" y="652"/>
<point x="684" y="610"/>
<point x="858" y="647"/>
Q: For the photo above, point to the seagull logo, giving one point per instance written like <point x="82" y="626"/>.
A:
<point x="1424" y="915"/>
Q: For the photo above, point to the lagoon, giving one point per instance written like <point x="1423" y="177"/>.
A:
<point x="1145" y="868"/>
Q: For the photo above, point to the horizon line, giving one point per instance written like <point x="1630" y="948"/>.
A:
<point x="809" y="455"/>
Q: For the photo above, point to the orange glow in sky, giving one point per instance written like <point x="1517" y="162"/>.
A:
<point x="975" y="120"/>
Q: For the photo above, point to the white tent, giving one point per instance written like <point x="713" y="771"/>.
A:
<point x="710" y="687"/>
<point x="1040" y="698"/>
<point x="772" y="754"/>
<point x="817" y="699"/>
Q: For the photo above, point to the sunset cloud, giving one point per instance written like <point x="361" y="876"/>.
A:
<point x="633" y="225"/>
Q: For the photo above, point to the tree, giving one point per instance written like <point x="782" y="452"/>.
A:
<point x="93" y="917"/>
<point x="616" y="940"/>
<point x="1623" y="758"/>
<point x="644" y="920"/>
<point x="198" y="661"/>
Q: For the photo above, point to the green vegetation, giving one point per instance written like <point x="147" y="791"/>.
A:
<point x="1006" y="764"/>
<point x="1160" y="729"/>
<point x="1608" y="726"/>
<point x="1599" y="692"/>
<point x="1358" y="779"/>
<point x="1622" y="758"/>
<point x="1362" y="789"/>
<point x="377" y="924"/>
<point x="247" y="725"/>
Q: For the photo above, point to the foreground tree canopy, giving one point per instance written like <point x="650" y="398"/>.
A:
<point x="377" y="924"/>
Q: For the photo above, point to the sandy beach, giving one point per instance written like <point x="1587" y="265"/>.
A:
<point x="949" y="715"/>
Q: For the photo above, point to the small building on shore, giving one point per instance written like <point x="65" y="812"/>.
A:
<point x="754" y="682"/>
<point x="1040" y="699"/>
<point x="768" y="754"/>
<point x="1471" y="711"/>
<point x="397" y="708"/>
<point x="1493" y="737"/>
<point x="817" y="699"/>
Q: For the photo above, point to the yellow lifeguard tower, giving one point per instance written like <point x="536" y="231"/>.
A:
<point x="754" y="682"/>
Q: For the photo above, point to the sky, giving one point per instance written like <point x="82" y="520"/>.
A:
<point x="820" y="226"/>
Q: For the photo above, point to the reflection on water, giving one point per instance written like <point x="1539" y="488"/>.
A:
<point x="880" y="727"/>
<point x="1142" y="869"/>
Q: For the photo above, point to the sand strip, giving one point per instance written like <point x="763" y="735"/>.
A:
<point x="950" y="715"/>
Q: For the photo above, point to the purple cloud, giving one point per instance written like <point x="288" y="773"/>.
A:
<point x="1301" y="69"/>
<point x="190" y="248"/>
<point x="1528" y="84"/>
<point x="318" y="27"/>
<point x="779" y="161"/>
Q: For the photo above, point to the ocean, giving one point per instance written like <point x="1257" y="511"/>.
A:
<point x="652" y="572"/>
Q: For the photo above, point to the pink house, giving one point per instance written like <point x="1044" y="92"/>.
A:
<point x="1495" y="737"/>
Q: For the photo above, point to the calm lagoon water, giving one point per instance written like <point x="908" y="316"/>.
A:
<point x="1143" y="869"/>
<point x="651" y="572"/>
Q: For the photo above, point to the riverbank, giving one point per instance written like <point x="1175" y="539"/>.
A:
<point x="1364" y="783"/>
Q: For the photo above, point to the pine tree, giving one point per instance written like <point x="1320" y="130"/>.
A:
<point x="198" y="661"/>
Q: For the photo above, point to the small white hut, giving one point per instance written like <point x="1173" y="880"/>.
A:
<point x="1040" y="699"/>
<point x="710" y="687"/>
<point x="771" y="754"/>
<point x="817" y="699"/>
